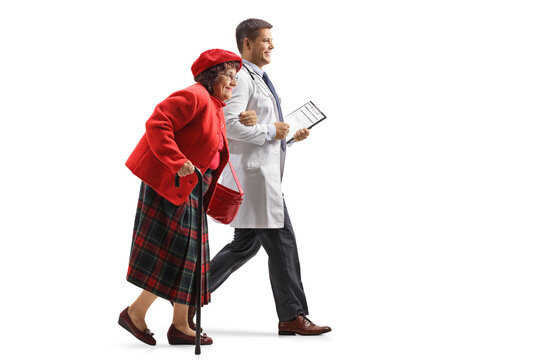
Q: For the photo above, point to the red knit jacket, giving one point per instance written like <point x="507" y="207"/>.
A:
<point x="185" y="126"/>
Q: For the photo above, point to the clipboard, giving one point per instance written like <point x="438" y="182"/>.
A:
<point x="306" y="116"/>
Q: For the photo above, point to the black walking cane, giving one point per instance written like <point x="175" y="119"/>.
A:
<point x="198" y="263"/>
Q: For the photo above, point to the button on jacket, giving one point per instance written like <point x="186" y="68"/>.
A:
<point x="185" y="126"/>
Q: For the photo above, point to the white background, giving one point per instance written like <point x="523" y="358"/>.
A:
<point x="415" y="204"/>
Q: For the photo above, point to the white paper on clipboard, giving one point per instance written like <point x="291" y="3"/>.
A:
<point x="306" y="116"/>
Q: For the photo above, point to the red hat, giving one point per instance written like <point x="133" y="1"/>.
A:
<point x="213" y="57"/>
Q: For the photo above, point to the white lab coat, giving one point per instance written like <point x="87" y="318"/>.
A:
<point x="258" y="162"/>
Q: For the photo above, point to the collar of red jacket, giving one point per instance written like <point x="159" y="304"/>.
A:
<point x="213" y="97"/>
<point x="218" y="100"/>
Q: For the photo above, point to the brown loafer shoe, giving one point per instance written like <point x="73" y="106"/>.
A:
<point x="145" y="336"/>
<point x="301" y="326"/>
<point x="176" y="337"/>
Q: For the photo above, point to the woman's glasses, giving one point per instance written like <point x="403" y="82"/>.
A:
<point x="230" y="76"/>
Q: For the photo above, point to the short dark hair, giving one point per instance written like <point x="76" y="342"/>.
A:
<point x="249" y="29"/>
<point x="209" y="76"/>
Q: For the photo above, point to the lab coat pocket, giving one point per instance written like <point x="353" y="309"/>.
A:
<point x="248" y="155"/>
<point x="252" y="160"/>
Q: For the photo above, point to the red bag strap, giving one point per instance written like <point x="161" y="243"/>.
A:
<point x="236" y="179"/>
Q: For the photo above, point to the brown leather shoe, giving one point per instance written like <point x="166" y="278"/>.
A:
<point x="301" y="326"/>
<point x="145" y="336"/>
<point x="176" y="337"/>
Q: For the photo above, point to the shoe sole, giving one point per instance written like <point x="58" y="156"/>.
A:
<point x="286" y="333"/>
<point x="177" y="341"/>
<point x="297" y="333"/>
<point x="123" y="324"/>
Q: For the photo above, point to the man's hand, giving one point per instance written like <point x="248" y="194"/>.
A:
<point x="301" y="134"/>
<point x="186" y="169"/>
<point x="282" y="129"/>
<point x="248" y="118"/>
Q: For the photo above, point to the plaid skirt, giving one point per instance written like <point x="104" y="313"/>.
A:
<point x="164" y="246"/>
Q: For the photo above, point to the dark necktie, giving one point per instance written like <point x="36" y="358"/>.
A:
<point x="273" y="90"/>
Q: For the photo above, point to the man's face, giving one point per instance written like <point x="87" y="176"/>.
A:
<point x="259" y="52"/>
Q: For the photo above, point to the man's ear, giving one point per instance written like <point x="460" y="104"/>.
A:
<point x="247" y="44"/>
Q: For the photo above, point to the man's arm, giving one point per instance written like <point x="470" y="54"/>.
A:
<point x="256" y="134"/>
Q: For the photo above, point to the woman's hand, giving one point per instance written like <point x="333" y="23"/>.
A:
<point x="248" y="118"/>
<point x="186" y="169"/>
<point x="301" y="134"/>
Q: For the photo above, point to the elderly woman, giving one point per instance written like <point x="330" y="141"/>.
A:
<point x="187" y="129"/>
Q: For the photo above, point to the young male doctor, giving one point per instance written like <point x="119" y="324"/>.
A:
<point x="257" y="152"/>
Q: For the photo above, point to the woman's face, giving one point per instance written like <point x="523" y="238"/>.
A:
<point x="225" y="83"/>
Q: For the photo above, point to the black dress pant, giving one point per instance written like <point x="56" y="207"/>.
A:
<point x="283" y="265"/>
